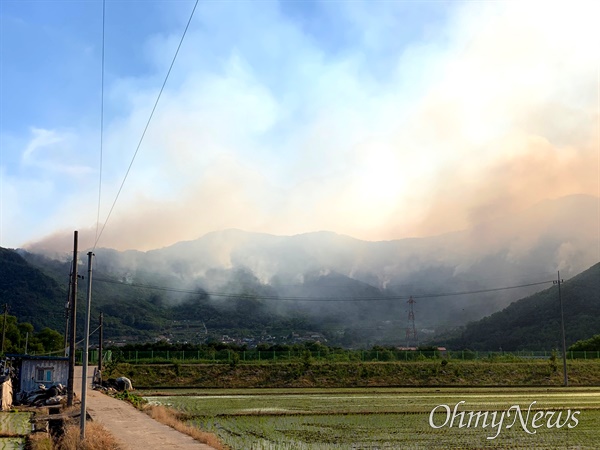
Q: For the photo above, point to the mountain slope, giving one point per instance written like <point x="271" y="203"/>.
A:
<point x="533" y="323"/>
<point x="561" y="234"/>
<point x="239" y="279"/>
<point x="31" y="295"/>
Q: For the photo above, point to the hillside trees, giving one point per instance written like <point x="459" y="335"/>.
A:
<point x="21" y="337"/>
<point x="587" y="345"/>
<point x="534" y="322"/>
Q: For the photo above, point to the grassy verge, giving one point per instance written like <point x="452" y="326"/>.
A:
<point x="361" y="374"/>
<point x="39" y="441"/>
<point x="96" y="438"/>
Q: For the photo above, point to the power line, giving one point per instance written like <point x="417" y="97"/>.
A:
<point x="481" y="291"/>
<point x="148" y="286"/>
<point x="62" y="350"/>
<point x="320" y="299"/>
<point x="146" y="127"/>
<point x="101" y="118"/>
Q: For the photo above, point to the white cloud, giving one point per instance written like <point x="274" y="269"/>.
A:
<point x="54" y="151"/>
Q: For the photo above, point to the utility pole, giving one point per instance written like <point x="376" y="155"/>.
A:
<point x="72" y="324"/>
<point x="67" y="310"/>
<point x="86" y="346"/>
<point x="562" y="327"/>
<point x="100" y="341"/>
<point x="4" y="326"/>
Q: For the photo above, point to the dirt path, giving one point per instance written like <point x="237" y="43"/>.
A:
<point x="132" y="428"/>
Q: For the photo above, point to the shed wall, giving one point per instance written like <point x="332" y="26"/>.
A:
<point x="30" y="379"/>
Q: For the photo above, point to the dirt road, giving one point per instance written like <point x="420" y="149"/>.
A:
<point x="132" y="428"/>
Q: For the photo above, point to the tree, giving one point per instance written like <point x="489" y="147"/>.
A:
<point x="588" y="345"/>
<point x="12" y="337"/>
<point x="19" y="337"/>
<point x="50" y="339"/>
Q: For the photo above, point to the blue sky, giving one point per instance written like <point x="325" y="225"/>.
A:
<point x="379" y="120"/>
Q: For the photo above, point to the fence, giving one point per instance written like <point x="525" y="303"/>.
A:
<point x="257" y="356"/>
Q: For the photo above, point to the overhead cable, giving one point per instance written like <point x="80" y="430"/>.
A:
<point x="319" y="299"/>
<point x="101" y="119"/>
<point x="146" y="127"/>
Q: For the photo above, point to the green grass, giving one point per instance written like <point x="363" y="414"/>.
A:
<point x="362" y="374"/>
<point x="381" y="418"/>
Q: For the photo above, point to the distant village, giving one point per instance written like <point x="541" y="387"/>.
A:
<point x="230" y="339"/>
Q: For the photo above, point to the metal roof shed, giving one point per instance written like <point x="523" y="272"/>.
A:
<point x="36" y="370"/>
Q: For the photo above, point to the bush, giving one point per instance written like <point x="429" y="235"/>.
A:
<point x="307" y="359"/>
<point x="96" y="438"/>
<point x="552" y="362"/>
<point x="235" y="359"/>
<point x="592" y="344"/>
<point x="136" y="400"/>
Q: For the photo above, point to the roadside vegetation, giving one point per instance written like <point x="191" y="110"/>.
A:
<point x="498" y="372"/>
<point x="96" y="438"/>
<point x="226" y="353"/>
<point x="587" y="345"/>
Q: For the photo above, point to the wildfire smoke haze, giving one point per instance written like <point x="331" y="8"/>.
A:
<point x="380" y="121"/>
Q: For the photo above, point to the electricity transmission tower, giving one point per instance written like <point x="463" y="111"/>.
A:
<point x="411" y="332"/>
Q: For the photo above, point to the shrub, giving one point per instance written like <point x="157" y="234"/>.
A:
<point x="136" y="400"/>
<point x="96" y="438"/>
<point x="552" y="361"/>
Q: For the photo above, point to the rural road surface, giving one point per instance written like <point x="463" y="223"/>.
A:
<point x="133" y="429"/>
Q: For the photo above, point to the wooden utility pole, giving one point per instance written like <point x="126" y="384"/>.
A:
<point x="4" y="325"/>
<point x="72" y="324"/>
<point x="67" y="311"/>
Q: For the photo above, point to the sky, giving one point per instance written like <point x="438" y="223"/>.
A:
<point x="375" y="119"/>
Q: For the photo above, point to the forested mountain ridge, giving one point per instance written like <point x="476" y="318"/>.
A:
<point x="32" y="286"/>
<point x="353" y="292"/>
<point x="533" y="323"/>
<point x="30" y="294"/>
<point x="525" y="247"/>
<point x="141" y="314"/>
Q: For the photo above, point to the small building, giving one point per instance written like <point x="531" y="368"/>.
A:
<point x="35" y="370"/>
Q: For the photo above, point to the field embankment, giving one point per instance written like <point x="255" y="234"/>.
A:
<point x="363" y="374"/>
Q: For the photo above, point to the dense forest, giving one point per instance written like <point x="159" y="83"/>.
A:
<point x="21" y="337"/>
<point x="35" y="289"/>
<point x="31" y="295"/>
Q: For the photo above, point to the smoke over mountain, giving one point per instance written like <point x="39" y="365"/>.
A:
<point x="290" y="272"/>
<point x="469" y="122"/>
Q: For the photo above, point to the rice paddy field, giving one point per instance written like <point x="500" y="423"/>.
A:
<point x="393" y="418"/>
<point x="13" y="427"/>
